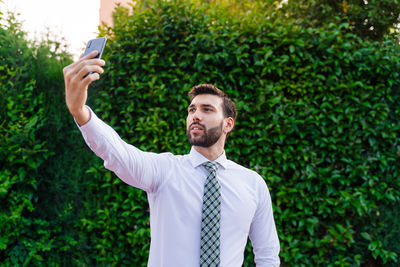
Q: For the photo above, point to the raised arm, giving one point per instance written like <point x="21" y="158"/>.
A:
<point x="137" y="168"/>
<point x="77" y="83"/>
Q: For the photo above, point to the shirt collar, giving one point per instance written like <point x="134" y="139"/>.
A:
<point x="197" y="159"/>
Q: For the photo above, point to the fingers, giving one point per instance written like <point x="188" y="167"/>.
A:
<point x="89" y="59"/>
<point x="80" y="79"/>
<point x="77" y="77"/>
<point x="83" y="67"/>
<point x="90" y="78"/>
<point x="89" y="69"/>
<point x="86" y="62"/>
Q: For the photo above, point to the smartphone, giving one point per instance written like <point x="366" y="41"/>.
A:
<point x="96" y="44"/>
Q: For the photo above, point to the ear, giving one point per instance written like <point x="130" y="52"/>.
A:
<point x="229" y="123"/>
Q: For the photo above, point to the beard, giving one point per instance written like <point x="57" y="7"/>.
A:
<point x="209" y="138"/>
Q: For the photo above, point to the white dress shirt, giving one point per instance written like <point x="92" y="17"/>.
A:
<point x="175" y="186"/>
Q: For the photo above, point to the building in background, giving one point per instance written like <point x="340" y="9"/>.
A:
<point x="107" y="8"/>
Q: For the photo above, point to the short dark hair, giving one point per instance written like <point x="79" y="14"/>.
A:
<point x="228" y="106"/>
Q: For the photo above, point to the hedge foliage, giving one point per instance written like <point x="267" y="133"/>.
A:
<point x="372" y="19"/>
<point x="318" y="119"/>
<point x="39" y="178"/>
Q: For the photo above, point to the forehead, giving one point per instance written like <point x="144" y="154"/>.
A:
<point x="207" y="99"/>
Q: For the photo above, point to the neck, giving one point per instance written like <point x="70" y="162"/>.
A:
<point x="212" y="152"/>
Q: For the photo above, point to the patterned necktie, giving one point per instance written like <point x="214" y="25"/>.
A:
<point x="210" y="233"/>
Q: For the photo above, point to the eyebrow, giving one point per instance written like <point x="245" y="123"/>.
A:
<point x="202" y="105"/>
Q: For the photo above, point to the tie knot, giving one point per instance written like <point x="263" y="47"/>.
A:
<point x="211" y="166"/>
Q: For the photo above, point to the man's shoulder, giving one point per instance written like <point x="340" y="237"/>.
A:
<point x="245" y="170"/>
<point x="247" y="177"/>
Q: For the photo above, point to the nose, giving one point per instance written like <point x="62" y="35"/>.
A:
<point x="196" y="116"/>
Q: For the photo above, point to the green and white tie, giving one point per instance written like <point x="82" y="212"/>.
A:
<point x="210" y="230"/>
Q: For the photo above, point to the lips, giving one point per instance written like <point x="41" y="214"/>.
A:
<point x="196" y="127"/>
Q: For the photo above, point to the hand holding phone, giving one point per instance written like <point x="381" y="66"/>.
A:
<point x="97" y="44"/>
<point x="76" y="86"/>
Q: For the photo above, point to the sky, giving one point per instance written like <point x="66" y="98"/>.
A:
<point x="76" y="20"/>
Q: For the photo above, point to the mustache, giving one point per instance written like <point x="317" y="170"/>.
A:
<point x="197" y="123"/>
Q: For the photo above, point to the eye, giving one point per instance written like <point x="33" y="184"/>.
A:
<point x="190" y="110"/>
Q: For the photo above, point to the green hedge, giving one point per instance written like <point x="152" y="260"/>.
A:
<point x="21" y="155"/>
<point x="318" y="119"/>
<point x="39" y="177"/>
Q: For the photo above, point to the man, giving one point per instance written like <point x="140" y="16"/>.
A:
<point x="203" y="206"/>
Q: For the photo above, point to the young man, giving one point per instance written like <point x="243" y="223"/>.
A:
<point x="203" y="206"/>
